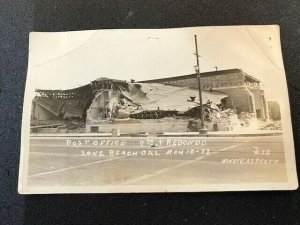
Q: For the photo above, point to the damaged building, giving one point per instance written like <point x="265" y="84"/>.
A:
<point x="154" y="106"/>
<point x="244" y="92"/>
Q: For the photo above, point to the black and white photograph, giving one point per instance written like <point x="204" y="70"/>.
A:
<point x="156" y="110"/>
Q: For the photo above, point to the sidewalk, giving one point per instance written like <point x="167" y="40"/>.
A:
<point x="239" y="133"/>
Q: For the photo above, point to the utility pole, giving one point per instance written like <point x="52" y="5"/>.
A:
<point x="202" y="128"/>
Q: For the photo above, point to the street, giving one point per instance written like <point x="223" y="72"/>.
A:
<point x="98" y="161"/>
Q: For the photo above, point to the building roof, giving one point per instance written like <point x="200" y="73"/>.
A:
<point x="111" y="80"/>
<point x="152" y="96"/>
<point x="205" y="74"/>
<point x="81" y="88"/>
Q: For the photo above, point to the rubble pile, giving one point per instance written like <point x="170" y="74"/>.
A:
<point x="149" y="101"/>
<point x="220" y="119"/>
<point x="71" y="126"/>
<point x="270" y="125"/>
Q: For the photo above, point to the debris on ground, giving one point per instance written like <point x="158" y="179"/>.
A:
<point x="270" y="125"/>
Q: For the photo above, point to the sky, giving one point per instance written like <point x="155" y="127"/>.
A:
<point x="64" y="60"/>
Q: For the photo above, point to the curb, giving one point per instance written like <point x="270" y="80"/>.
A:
<point x="244" y="135"/>
<point x="192" y="134"/>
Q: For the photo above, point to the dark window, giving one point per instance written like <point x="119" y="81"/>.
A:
<point x="94" y="129"/>
<point x="258" y="113"/>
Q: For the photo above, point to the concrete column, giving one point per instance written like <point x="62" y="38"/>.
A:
<point x="265" y="107"/>
<point x="251" y="102"/>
